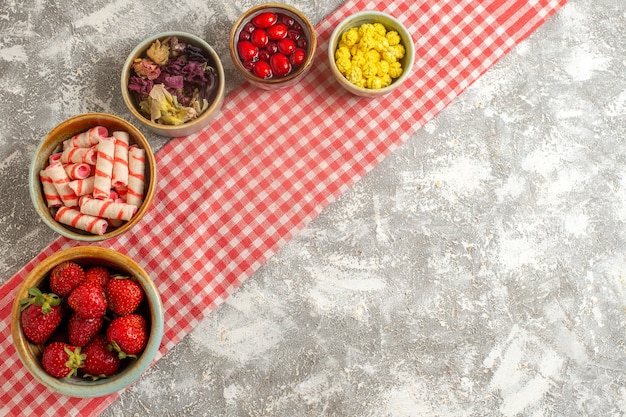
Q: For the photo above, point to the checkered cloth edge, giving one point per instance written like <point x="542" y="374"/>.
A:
<point x="231" y="196"/>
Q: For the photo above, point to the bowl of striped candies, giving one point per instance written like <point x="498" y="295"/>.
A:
<point x="92" y="177"/>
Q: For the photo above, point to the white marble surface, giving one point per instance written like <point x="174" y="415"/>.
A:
<point x="478" y="271"/>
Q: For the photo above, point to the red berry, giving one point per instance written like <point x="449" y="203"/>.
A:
<point x="262" y="69"/>
<point x="98" y="274"/>
<point x="277" y="31"/>
<point x="100" y="361"/>
<point x="264" y="20"/>
<point x="88" y="300"/>
<point x="65" y="277"/>
<point x="297" y="57"/>
<point x="61" y="360"/>
<point x="247" y="51"/>
<point x="286" y="19"/>
<point x="259" y="38"/>
<point x="280" y="65"/>
<point x="264" y="55"/>
<point x="128" y="335"/>
<point x="81" y="330"/>
<point x="286" y="46"/>
<point x="293" y="35"/>
<point x="302" y="43"/>
<point x="244" y="36"/>
<point x="271" y="47"/>
<point x="249" y="65"/>
<point x="123" y="295"/>
<point x="41" y="315"/>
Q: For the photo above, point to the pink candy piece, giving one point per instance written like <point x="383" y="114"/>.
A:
<point x="61" y="183"/>
<point x="78" y="155"/>
<point x="82" y="187"/>
<point x="104" y="168"/>
<point x="49" y="190"/>
<point x="106" y="208"/>
<point x="86" y="139"/>
<point x="55" y="157"/>
<point x="78" y="171"/>
<point x="120" y="160"/>
<point x="136" y="182"/>
<point x="75" y="218"/>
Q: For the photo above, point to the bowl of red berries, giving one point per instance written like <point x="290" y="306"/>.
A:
<point x="87" y="321"/>
<point x="272" y="45"/>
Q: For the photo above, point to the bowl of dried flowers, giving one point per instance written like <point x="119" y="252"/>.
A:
<point x="173" y="83"/>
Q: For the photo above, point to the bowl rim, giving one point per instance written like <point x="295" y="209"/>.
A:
<point x="170" y="130"/>
<point x="246" y="16"/>
<point x="354" y="20"/>
<point x="36" y="193"/>
<point x="101" y="387"/>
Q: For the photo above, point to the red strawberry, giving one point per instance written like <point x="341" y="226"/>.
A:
<point x="123" y="295"/>
<point x="98" y="274"/>
<point x="128" y="335"/>
<point x="81" y="330"/>
<point x="65" y="277"/>
<point x="100" y="360"/>
<point x="41" y="315"/>
<point x="61" y="360"/>
<point x="88" y="300"/>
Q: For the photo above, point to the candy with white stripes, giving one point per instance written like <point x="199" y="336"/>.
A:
<point x="61" y="183"/>
<point x="78" y="220"/>
<point x="136" y="181"/>
<point x="50" y="193"/>
<point x="120" y="160"/>
<point x="104" y="168"/>
<point x="108" y="209"/>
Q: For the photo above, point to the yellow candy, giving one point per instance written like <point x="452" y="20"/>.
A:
<point x="350" y="37"/>
<point x="343" y="65"/>
<point x="395" y="70"/>
<point x="393" y="38"/>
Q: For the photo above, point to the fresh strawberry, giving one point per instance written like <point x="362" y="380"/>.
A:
<point x="41" y="315"/>
<point x="65" y="277"/>
<point x="100" y="360"/>
<point x="128" y="335"/>
<point x="88" y="300"/>
<point x="123" y="295"/>
<point x="98" y="274"/>
<point x="81" y="330"/>
<point x="61" y="360"/>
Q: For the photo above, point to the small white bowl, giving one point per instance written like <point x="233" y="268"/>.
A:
<point x="191" y="126"/>
<point x="390" y="23"/>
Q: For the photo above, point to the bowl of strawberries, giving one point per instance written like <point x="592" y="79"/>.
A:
<point x="87" y="321"/>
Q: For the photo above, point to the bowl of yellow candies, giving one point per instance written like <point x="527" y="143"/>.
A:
<point x="371" y="53"/>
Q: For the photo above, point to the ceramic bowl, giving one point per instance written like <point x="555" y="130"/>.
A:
<point x="151" y="308"/>
<point x="53" y="143"/>
<point x="215" y="100"/>
<point x="391" y="24"/>
<point x="298" y="72"/>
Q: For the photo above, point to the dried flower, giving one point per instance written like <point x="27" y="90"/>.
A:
<point x="159" y="52"/>
<point x="141" y="86"/>
<point x="164" y="108"/>
<point x="194" y="72"/>
<point x="146" y="68"/>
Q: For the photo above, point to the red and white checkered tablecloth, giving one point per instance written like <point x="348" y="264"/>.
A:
<point x="230" y="197"/>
